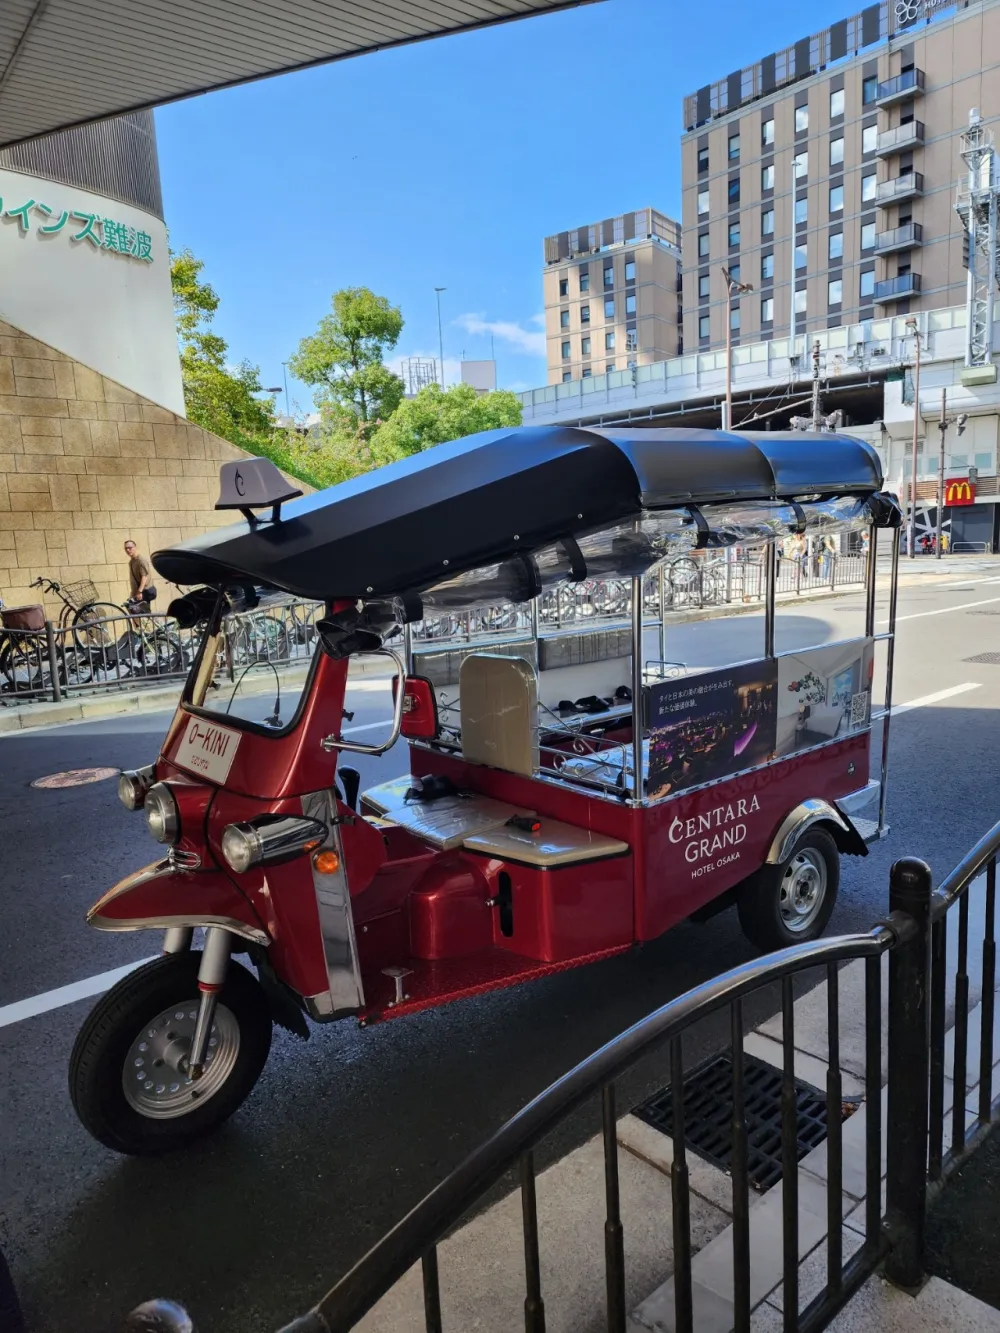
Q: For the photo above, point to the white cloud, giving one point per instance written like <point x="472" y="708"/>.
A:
<point x="516" y="335"/>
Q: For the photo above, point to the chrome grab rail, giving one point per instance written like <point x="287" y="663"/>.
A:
<point x="356" y="747"/>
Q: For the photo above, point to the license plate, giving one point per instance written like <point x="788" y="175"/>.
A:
<point x="208" y="749"/>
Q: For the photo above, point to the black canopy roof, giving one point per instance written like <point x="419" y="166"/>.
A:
<point x="489" y="496"/>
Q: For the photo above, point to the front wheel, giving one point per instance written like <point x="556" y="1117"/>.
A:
<point x="792" y="902"/>
<point x="127" y="1074"/>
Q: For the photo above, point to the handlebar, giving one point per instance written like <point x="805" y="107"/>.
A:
<point x="49" y="585"/>
<point x="335" y="743"/>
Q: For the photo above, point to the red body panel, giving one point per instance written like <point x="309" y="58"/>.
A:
<point x="449" y="917"/>
<point x="174" y="897"/>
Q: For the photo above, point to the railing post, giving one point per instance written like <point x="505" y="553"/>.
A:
<point x="909" y="1068"/>
<point x="50" y="643"/>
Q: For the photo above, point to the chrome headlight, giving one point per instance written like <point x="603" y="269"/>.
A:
<point x="162" y="816"/>
<point x="133" y="784"/>
<point x="269" y="839"/>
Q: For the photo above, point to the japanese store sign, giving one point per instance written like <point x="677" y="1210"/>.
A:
<point x="82" y="228"/>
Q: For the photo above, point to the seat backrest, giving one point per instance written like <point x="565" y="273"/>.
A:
<point x="498" y="702"/>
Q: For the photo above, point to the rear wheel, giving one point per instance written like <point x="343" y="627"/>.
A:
<point x="127" y="1074"/>
<point x="792" y="902"/>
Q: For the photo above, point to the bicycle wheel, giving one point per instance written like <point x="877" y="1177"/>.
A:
<point x="268" y="639"/>
<point x="91" y="633"/>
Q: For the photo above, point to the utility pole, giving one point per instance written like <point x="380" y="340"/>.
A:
<point x="733" y="288"/>
<point x="439" y="290"/>
<point x="288" y="406"/>
<point x="977" y="206"/>
<point x="817" y="415"/>
<point x="943" y="425"/>
<point x="911" y="531"/>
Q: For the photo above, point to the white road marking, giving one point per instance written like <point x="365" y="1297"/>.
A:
<point x="77" y="990"/>
<point x="943" y="610"/>
<point x="926" y="699"/>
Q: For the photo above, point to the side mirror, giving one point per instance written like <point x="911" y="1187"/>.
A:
<point x="420" y="714"/>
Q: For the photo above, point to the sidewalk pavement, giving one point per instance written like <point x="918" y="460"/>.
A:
<point x="482" y="1263"/>
<point x="113" y="702"/>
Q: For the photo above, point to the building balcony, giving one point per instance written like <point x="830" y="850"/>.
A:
<point x="907" y="186"/>
<point x="899" y="89"/>
<point x="899" y="238"/>
<point x="900" y="139"/>
<point x="897" y="289"/>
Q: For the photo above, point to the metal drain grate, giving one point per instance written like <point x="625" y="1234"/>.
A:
<point x="708" y="1113"/>
<point x="990" y="659"/>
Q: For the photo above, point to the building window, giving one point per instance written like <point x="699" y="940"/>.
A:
<point x="836" y="104"/>
<point x="609" y="367"/>
<point x="702" y="202"/>
<point x="704" y="282"/>
<point x="564" y="319"/>
<point x="609" y="307"/>
<point x="630" y="304"/>
<point x="734" y="272"/>
<point x="630" y="270"/>
<point x="767" y="310"/>
<point x="801" y="212"/>
<point x="835" y="246"/>
<point x="585" y="280"/>
<point x="703" y="245"/>
<point x="834" y="291"/>
<point x="869" y="139"/>
<point x="868" y="188"/>
<point x="734" y="320"/>
<point x="800" y="302"/>
<point x="766" y="268"/>
<point x="631" y="339"/>
<point x="609" y="342"/>
<point x="869" y="90"/>
<point x="800" y="163"/>
<point x="702" y="160"/>
<point x="867" y="287"/>
<point x="734" y="147"/>
<point x="585" y="314"/>
<point x="800" y="256"/>
<point x="868" y="235"/>
<point x="585" y="347"/>
<point x="801" y="119"/>
<point x="734" y="191"/>
<point x="609" y="275"/>
<point x="734" y="234"/>
<point x="767" y="132"/>
<point x="703" y="326"/>
<point x="564" y="286"/>
<point x="587" y="372"/>
<point x="836" y="199"/>
<point x="767" y="222"/>
<point x="565" y="350"/>
<point x="767" y="177"/>
<point x="836" y="151"/>
<point x="567" y="376"/>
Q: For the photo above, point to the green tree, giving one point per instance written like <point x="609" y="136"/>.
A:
<point x="217" y="395"/>
<point x="344" y="361"/>
<point x="435" y="415"/>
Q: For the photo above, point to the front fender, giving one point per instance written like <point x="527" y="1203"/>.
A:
<point x="163" y="895"/>
<point x="807" y="815"/>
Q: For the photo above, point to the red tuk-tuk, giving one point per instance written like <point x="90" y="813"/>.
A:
<point x="533" y="833"/>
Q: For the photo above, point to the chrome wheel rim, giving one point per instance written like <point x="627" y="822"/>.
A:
<point x="155" y="1078"/>
<point x="803" y="890"/>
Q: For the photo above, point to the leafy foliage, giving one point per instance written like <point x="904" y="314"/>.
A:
<point x="435" y="415"/>
<point x="344" y="361"/>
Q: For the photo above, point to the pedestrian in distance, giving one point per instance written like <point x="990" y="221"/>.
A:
<point x="141" y="588"/>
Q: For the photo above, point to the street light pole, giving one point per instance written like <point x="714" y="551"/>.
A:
<point x="911" y="538"/>
<point x="439" y="290"/>
<point x="288" y="406"/>
<point x="943" y="426"/>
<point x="733" y="288"/>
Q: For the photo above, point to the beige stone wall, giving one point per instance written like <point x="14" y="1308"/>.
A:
<point x="86" y="464"/>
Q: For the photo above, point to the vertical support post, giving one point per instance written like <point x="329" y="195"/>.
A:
<point x="534" y="1307"/>
<point x="869" y="580"/>
<point x="408" y="648"/>
<point x="614" y="1237"/>
<point x="637" y="717"/>
<point x="661" y="589"/>
<point x="943" y="428"/>
<point x="909" y="1068"/>
<point x="890" y="659"/>
<point x="432" y="1291"/>
<point x="912" y="529"/>
<point x="770" y="566"/>
<point x="50" y="644"/>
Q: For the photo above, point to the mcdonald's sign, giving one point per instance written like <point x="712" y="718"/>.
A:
<point x="959" y="491"/>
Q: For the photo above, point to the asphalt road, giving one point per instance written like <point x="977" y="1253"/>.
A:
<point x="344" y="1133"/>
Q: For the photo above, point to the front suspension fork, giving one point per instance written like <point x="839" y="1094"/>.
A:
<point x="211" y="978"/>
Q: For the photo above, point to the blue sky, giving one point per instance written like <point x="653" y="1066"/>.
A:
<point x="444" y="164"/>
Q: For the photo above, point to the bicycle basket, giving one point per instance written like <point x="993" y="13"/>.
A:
<point x="23" y="617"/>
<point x="80" y="594"/>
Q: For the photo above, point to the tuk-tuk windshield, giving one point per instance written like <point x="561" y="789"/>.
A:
<point x="252" y="666"/>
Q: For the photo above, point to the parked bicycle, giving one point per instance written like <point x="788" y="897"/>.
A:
<point x="82" y="611"/>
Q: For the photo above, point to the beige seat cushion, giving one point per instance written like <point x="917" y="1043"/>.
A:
<point x="444" y="823"/>
<point x="498" y="699"/>
<point x="555" y="844"/>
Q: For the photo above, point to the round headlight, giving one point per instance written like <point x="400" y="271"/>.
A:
<point x="162" y="816"/>
<point x="133" y="785"/>
<point x="240" y="847"/>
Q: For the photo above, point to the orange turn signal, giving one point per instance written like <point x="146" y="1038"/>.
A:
<point x="327" y="863"/>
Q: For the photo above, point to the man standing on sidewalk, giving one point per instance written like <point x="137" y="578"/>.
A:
<point x="140" y="575"/>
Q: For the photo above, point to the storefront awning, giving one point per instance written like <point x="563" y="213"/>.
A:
<point x="66" y="62"/>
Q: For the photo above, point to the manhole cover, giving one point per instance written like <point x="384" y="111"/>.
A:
<point x="990" y="659"/>
<point x="708" y="1114"/>
<point x="76" y="777"/>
